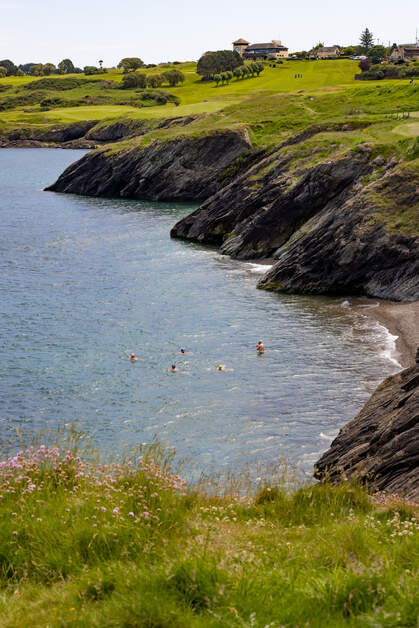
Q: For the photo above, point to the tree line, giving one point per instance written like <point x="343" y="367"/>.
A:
<point x="241" y="72"/>
<point x="142" y="80"/>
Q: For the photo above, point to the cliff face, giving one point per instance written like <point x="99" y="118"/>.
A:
<point x="255" y="215"/>
<point x="338" y="219"/>
<point x="381" y="445"/>
<point x="183" y="169"/>
<point x="360" y="246"/>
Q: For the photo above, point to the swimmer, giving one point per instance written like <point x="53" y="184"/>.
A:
<point x="132" y="357"/>
<point x="173" y="369"/>
<point x="260" y="347"/>
<point x="182" y="351"/>
<point x="220" y="367"/>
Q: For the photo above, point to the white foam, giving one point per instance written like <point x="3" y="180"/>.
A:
<point x="389" y="352"/>
<point x="345" y="304"/>
<point x="259" y="269"/>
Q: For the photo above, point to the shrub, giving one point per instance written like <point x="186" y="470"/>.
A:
<point x="155" y="80"/>
<point x="173" y="77"/>
<point x="134" y="79"/>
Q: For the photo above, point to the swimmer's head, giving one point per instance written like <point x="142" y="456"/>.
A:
<point x="220" y="367"/>
<point x="173" y="367"/>
<point x="182" y="350"/>
<point x="132" y="356"/>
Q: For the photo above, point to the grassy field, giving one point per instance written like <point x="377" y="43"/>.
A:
<point x="272" y="106"/>
<point x="129" y="544"/>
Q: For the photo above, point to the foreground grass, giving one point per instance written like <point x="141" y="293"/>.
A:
<point x="130" y="545"/>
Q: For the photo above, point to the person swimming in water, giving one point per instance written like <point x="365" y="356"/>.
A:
<point x="182" y="350"/>
<point x="220" y="367"/>
<point x="260" y="347"/>
<point x="133" y="357"/>
<point x="173" y="369"/>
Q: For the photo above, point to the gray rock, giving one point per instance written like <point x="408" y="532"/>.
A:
<point x="185" y="169"/>
<point x="380" y="446"/>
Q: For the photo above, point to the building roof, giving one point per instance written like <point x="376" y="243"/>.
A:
<point x="240" y="41"/>
<point x="410" y="51"/>
<point x="270" y="45"/>
<point x="327" y="48"/>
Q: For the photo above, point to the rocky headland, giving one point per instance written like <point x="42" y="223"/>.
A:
<point x="338" y="221"/>
<point x="380" y="447"/>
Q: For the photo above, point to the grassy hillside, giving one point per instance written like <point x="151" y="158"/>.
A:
<point x="273" y="107"/>
<point x="84" y="544"/>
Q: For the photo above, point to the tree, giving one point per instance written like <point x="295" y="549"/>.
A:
<point x="130" y="64"/>
<point x="49" y="68"/>
<point x="66" y="66"/>
<point x="259" y="67"/>
<point x="3" y="71"/>
<point x="134" y="79"/>
<point x="377" y="54"/>
<point x="348" y="51"/>
<point x="366" y="40"/>
<point x="173" y="77"/>
<point x="217" y="62"/>
<point x="364" y="65"/>
<point x="217" y="78"/>
<point x="155" y="80"/>
<point x="37" y="69"/>
<point x="90" y="69"/>
<point x="11" y="69"/>
<point x="237" y="73"/>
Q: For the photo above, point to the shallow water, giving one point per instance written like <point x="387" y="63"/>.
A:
<point x="85" y="281"/>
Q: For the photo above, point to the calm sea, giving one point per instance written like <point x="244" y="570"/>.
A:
<point x="86" y="281"/>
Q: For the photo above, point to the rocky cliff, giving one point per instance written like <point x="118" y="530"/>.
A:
<point x="182" y="169"/>
<point x="381" y="445"/>
<point x="339" y="218"/>
<point x="366" y="244"/>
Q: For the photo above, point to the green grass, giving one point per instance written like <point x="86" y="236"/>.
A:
<point x="273" y="106"/>
<point x="129" y="545"/>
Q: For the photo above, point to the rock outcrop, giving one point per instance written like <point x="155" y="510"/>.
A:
<point x="361" y="246"/>
<point x="182" y="169"/>
<point x="381" y="445"/>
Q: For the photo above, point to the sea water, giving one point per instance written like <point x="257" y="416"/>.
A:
<point x="87" y="281"/>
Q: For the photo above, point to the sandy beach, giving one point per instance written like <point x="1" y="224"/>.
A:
<point x="402" y="320"/>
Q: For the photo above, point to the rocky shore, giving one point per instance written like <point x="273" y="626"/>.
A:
<point x="338" y="222"/>
<point x="380" y="447"/>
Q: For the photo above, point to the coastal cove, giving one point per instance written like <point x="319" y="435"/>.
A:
<point x="89" y="280"/>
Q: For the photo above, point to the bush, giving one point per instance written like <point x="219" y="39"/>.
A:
<point x="173" y="77"/>
<point x="134" y="79"/>
<point x="155" y="80"/>
<point x="91" y="69"/>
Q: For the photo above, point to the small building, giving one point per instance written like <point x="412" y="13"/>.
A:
<point x="271" y="50"/>
<point x="404" y="53"/>
<point x="324" y="52"/>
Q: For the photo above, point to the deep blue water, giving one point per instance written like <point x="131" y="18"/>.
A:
<point x="86" y="281"/>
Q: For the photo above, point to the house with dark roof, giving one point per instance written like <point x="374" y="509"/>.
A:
<point x="324" y="52"/>
<point x="404" y="53"/>
<point x="270" y="50"/>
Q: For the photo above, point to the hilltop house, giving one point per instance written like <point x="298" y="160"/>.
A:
<point x="404" y="53"/>
<point x="324" y="52"/>
<point x="271" y="50"/>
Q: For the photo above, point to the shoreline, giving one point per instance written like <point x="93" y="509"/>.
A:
<point x="401" y="320"/>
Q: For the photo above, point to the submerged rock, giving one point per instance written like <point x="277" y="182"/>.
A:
<point x="381" y="445"/>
